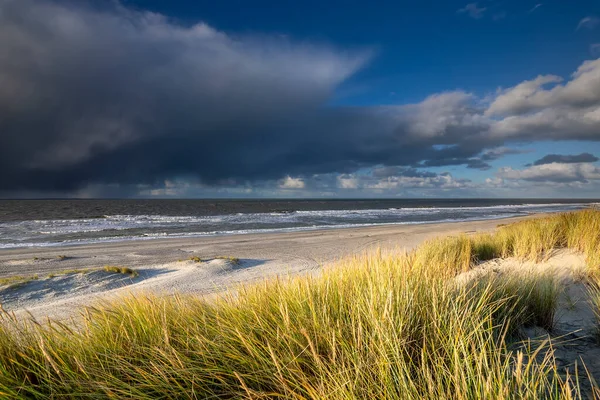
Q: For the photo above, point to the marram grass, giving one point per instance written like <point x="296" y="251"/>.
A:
<point x="372" y="326"/>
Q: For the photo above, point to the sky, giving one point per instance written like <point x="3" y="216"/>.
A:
<point x="191" y="98"/>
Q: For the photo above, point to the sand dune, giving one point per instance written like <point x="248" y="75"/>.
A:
<point x="575" y="332"/>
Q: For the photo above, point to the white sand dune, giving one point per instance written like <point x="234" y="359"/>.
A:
<point x="58" y="296"/>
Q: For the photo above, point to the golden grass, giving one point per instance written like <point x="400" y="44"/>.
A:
<point x="121" y="270"/>
<point x="16" y="281"/>
<point x="19" y="280"/>
<point x="373" y="326"/>
<point x="233" y="260"/>
<point x="532" y="240"/>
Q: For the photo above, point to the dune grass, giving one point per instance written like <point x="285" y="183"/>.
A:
<point x="16" y="281"/>
<point x="121" y="270"/>
<point x="233" y="260"/>
<point x="371" y="326"/>
<point x="532" y="240"/>
<point x="19" y="280"/>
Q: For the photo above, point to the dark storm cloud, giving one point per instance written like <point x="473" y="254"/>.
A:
<point x="385" y="172"/>
<point x="478" y="164"/>
<point x="456" y="156"/>
<point x="99" y="96"/>
<point x="566" y="159"/>
<point x="113" y="95"/>
<point x="495" y="154"/>
<point x="472" y="163"/>
<point x="102" y="96"/>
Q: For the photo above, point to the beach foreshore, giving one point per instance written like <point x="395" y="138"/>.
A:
<point x="194" y="265"/>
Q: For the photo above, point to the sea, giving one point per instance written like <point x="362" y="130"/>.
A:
<point x="42" y="223"/>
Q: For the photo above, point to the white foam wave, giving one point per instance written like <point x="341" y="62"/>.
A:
<point x="136" y="227"/>
<point x="163" y="235"/>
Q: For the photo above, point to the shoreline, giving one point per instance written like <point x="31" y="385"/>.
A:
<point x="139" y="226"/>
<point x="165" y="265"/>
<point x="266" y="231"/>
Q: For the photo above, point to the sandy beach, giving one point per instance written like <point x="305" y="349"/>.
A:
<point x="211" y="266"/>
<point x="165" y="267"/>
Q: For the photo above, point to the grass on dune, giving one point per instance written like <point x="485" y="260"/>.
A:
<point x="121" y="270"/>
<point x="16" y="281"/>
<point x="19" y="280"/>
<point x="372" y="326"/>
<point x="233" y="260"/>
<point x="356" y="332"/>
<point x="532" y="240"/>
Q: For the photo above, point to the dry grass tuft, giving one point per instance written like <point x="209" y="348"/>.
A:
<point x="233" y="260"/>
<point x="13" y="282"/>
<point x="121" y="270"/>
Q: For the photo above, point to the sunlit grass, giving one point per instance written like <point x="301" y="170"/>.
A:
<point x="20" y="280"/>
<point x="233" y="260"/>
<point x="532" y="240"/>
<point x="12" y="282"/>
<point x="372" y="327"/>
<point x="121" y="270"/>
<point x="377" y="326"/>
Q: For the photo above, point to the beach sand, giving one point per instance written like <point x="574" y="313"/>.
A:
<point x="165" y="267"/>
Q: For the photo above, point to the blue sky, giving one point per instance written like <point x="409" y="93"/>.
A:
<point x="311" y="99"/>
<point x="421" y="47"/>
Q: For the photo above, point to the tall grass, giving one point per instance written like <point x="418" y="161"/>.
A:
<point x="532" y="240"/>
<point x="372" y="326"/>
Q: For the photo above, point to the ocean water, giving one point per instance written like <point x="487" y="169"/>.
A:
<point x="30" y="223"/>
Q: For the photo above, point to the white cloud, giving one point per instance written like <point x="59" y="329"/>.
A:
<point x="347" y="182"/>
<point x="554" y="172"/>
<point x="439" y="112"/>
<point x="588" y="22"/>
<point x="582" y="90"/>
<point x="395" y="180"/>
<point x="441" y="181"/>
<point x="522" y="97"/>
<point x="473" y="10"/>
<point x="568" y="111"/>
<point x="535" y="7"/>
<point x="291" y="183"/>
<point x="544" y="108"/>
